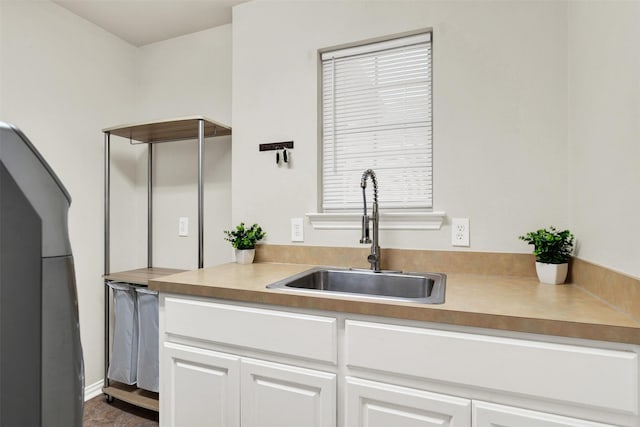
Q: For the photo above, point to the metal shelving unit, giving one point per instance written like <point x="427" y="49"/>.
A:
<point x="185" y="128"/>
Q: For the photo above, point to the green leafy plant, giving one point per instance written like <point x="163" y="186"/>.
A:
<point x="244" y="238"/>
<point x="550" y="246"/>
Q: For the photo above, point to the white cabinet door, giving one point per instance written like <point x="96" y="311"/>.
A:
<point x="374" y="404"/>
<point x="199" y="388"/>
<point x="275" y="395"/>
<point x="492" y="415"/>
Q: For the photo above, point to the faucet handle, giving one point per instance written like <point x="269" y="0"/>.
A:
<point x="365" y="230"/>
<point x="372" y="259"/>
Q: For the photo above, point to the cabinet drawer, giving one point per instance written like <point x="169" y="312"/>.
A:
<point x="293" y="334"/>
<point x="566" y="373"/>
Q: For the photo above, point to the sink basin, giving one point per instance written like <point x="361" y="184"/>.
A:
<point x="424" y="288"/>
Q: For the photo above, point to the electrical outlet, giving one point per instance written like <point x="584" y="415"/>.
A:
<point x="460" y="232"/>
<point x="183" y="226"/>
<point x="297" y="230"/>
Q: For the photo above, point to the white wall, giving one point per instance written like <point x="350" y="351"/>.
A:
<point x="185" y="76"/>
<point x="604" y="131"/>
<point x="500" y="111"/>
<point x="62" y="79"/>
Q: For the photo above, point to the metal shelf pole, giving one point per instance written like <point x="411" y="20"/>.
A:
<point x="200" y="193"/>
<point x="107" y="207"/>
<point x="107" y="178"/>
<point x="150" y="206"/>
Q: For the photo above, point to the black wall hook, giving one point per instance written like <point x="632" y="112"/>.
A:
<point x="276" y="146"/>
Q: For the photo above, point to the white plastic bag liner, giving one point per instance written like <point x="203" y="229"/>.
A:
<point x="124" y="350"/>
<point x="148" y="366"/>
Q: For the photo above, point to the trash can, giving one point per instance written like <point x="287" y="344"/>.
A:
<point x="124" y="349"/>
<point x="148" y="366"/>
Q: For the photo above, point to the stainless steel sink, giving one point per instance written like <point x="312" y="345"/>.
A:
<point x="424" y="288"/>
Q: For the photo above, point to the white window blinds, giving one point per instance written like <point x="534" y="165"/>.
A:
<point x="376" y="114"/>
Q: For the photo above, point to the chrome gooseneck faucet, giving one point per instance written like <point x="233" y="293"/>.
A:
<point x="374" y="257"/>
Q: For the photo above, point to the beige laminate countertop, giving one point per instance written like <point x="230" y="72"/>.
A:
<point x="519" y="304"/>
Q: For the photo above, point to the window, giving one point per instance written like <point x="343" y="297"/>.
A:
<point x="376" y="114"/>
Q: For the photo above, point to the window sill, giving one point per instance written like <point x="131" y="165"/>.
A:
<point x="388" y="220"/>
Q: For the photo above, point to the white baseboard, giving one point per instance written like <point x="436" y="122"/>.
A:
<point x="93" y="390"/>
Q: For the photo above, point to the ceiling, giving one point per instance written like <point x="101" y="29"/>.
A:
<point x="141" y="22"/>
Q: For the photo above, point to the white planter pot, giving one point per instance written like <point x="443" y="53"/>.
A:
<point x="245" y="256"/>
<point x="552" y="274"/>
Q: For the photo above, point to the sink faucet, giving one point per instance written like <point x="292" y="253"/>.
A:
<point x="374" y="257"/>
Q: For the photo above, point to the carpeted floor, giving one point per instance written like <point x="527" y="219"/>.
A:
<point x="99" y="413"/>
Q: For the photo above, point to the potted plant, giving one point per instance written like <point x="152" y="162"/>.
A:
<point x="552" y="249"/>
<point x="244" y="241"/>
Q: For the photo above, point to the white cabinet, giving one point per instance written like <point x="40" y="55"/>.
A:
<point x="276" y="395"/>
<point x="200" y="387"/>
<point x="229" y="364"/>
<point x="375" y="404"/>
<point x="492" y="415"/>
<point x="211" y="377"/>
<point x="213" y="389"/>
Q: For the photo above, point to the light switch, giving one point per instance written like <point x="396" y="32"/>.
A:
<point x="297" y="230"/>
<point x="183" y="226"/>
